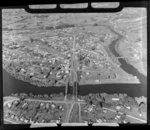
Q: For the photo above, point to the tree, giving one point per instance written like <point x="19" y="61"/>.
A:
<point x="15" y="94"/>
<point x="94" y="101"/>
<point x="45" y="96"/>
<point x="143" y="107"/>
<point x="61" y="94"/>
<point x="50" y="28"/>
<point x="100" y="103"/>
<point x="24" y="95"/>
<point x="31" y="94"/>
<point x="22" y="98"/>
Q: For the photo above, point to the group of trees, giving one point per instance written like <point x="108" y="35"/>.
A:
<point x="38" y="96"/>
<point x="106" y="100"/>
<point x="64" y="25"/>
<point x="36" y="111"/>
<point x="100" y="100"/>
<point x="12" y="45"/>
<point x="50" y="79"/>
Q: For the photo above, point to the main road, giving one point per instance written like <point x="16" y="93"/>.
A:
<point x="74" y="70"/>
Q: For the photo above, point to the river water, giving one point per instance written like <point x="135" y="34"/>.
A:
<point x="126" y="66"/>
<point x="12" y="85"/>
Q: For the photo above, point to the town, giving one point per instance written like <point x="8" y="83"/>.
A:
<point x="47" y="63"/>
<point x="46" y="52"/>
<point x="93" y="108"/>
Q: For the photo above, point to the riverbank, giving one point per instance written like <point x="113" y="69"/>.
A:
<point x="127" y="67"/>
<point x="27" y="79"/>
<point x="12" y="85"/>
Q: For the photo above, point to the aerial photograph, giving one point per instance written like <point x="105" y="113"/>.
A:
<point x="88" y="68"/>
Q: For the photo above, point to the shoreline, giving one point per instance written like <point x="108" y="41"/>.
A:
<point x="25" y="87"/>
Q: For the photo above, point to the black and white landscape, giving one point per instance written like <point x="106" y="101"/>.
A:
<point x="70" y="51"/>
